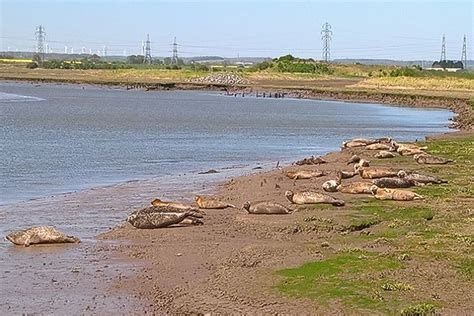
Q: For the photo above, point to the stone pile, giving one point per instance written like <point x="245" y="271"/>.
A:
<point x="221" y="78"/>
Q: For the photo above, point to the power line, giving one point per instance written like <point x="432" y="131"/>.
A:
<point x="443" y="49"/>
<point x="326" y="38"/>
<point x="464" y="53"/>
<point x="40" y="37"/>
<point x="147" y="59"/>
<point x="174" y="59"/>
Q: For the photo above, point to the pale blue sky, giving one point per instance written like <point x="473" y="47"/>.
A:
<point x="362" y="29"/>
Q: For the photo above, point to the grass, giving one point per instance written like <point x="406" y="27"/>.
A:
<point x="421" y="309"/>
<point x="425" y="83"/>
<point x="435" y="233"/>
<point x="346" y="277"/>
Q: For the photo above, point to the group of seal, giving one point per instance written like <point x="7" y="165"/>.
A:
<point x="385" y="184"/>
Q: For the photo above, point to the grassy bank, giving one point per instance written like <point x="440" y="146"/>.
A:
<point x="413" y="258"/>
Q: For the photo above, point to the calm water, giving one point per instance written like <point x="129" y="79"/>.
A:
<point x="60" y="138"/>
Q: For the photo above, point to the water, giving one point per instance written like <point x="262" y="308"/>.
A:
<point x="82" y="158"/>
<point x="65" y="138"/>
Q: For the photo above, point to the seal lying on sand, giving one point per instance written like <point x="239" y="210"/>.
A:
<point x="40" y="235"/>
<point x="208" y="202"/>
<point x="346" y="174"/>
<point x="408" y="149"/>
<point x="360" y="142"/>
<point x="305" y="174"/>
<point x="266" y="208"/>
<point x="394" y="194"/>
<point x="353" y="159"/>
<point x="373" y="173"/>
<point x="352" y="188"/>
<point x="383" y="154"/>
<point x="393" y="183"/>
<point x="419" y="179"/>
<point x="163" y="216"/>
<point x="310" y="161"/>
<point x="378" y="146"/>
<point x="362" y="163"/>
<point x="309" y="197"/>
<point x="158" y="202"/>
<point x="430" y="159"/>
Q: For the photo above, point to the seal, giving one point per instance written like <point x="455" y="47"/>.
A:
<point x="341" y="174"/>
<point x="383" y="154"/>
<point x="408" y="149"/>
<point x="355" y="187"/>
<point x="266" y="207"/>
<point x="309" y="197"/>
<point x="40" y="235"/>
<point x="310" y="161"/>
<point x="420" y="179"/>
<point x="378" y="146"/>
<point x="305" y="174"/>
<point x="360" y="142"/>
<point x="158" y="202"/>
<point x="362" y="163"/>
<point x="394" y="194"/>
<point x="331" y="185"/>
<point x="163" y="216"/>
<point x="373" y="173"/>
<point x="393" y="182"/>
<point x="352" y="187"/>
<point x="208" y="202"/>
<point x="430" y="159"/>
<point x="353" y="159"/>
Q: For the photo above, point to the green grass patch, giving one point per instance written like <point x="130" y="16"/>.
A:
<point x="347" y="277"/>
<point x="421" y="309"/>
<point x="466" y="268"/>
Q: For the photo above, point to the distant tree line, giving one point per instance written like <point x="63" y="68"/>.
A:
<point x="448" y="64"/>
<point x="289" y="63"/>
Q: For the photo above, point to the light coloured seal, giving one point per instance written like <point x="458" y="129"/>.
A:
<point x="373" y="173"/>
<point x="163" y="216"/>
<point x="266" y="207"/>
<point x="40" y="235"/>
<point x="310" y="197"/>
<point x="207" y="202"/>
<point x="378" y="146"/>
<point x="430" y="159"/>
<point x="158" y="203"/>
<point x="420" y="179"/>
<point x="394" y="194"/>
<point x="305" y="174"/>
<point x="383" y="154"/>
<point x="352" y="187"/>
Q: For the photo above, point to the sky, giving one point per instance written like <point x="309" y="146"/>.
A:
<point x="403" y="30"/>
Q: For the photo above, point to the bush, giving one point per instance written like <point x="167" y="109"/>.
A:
<point x="32" y="65"/>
